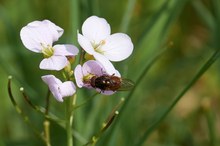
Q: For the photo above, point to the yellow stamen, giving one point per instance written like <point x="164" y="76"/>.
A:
<point x="98" y="47"/>
<point x="47" y="50"/>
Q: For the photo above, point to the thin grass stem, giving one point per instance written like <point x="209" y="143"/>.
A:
<point x="70" y="103"/>
<point x="138" y="81"/>
<point x="85" y="102"/>
<point x="41" y="110"/>
<point x="46" y="123"/>
<point x="210" y="119"/>
<point x="93" y="141"/>
<point x="204" y="14"/>
<point x="47" y="106"/>
<point x="74" y="19"/>
<point x="20" y="111"/>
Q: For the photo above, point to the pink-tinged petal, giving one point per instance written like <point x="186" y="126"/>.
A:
<point x="33" y="37"/>
<point x="53" y="84"/>
<point x="54" y="63"/>
<point x="85" y="44"/>
<point x="38" y="33"/>
<point x="105" y="92"/>
<point x="34" y="23"/>
<point x="79" y="76"/>
<point x="109" y="68"/>
<point x="117" y="47"/>
<point x="96" y="29"/>
<point x="65" y="50"/>
<point x="67" y="89"/>
<point x="93" y="67"/>
<point x="55" y="30"/>
<point x="50" y="79"/>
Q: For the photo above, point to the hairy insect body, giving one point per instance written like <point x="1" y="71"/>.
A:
<point x="106" y="82"/>
<point x="111" y="83"/>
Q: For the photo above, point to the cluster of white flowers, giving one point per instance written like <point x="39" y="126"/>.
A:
<point x="96" y="39"/>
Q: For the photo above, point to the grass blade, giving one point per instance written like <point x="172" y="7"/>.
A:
<point x="203" y="69"/>
<point x="127" y="16"/>
<point x="204" y="14"/>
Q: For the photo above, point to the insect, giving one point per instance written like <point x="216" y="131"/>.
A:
<point x="111" y="83"/>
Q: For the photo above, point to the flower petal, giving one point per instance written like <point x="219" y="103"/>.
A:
<point x="79" y="76"/>
<point x="93" y="67"/>
<point x="34" y="23"/>
<point x="109" y="68"/>
<point x="105" y="92"/>
<point x="55" y="30"/>
<point x="50" y="79"/>
<point x="38" y="33"/>
<point x="67" y="89"/>
<point x="65" y="50"/>
<point x="117" y="47"/>
<point x="85" y="44"/>
<point x="96" y="29"/>
<point x="54" y="63"/>
<point x="53" y="84"/>
<point x="33" y="37"/>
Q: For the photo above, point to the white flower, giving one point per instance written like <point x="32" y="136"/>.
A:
<point x="59" y="89"/>
<point x="38" y="36"/>
<point x="96" y="39"/>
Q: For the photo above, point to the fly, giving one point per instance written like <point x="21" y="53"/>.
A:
<point x="111" y="83"/>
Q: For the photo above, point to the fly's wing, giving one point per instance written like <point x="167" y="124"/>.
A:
<point x="126" y="85"/>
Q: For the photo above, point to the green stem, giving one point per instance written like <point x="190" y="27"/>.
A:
<point x="41" y="110"/>
<point x="106" y="124"/>
<point x="74" y="19"/>
<point x="47" y="132"/>
<point x="204" y="14"/>
<point x="85" y="102"/>
<point x="137" y="82"/>
<point x="47" y="102"/>
<point x="46" y="121"/>
<point x="210" y="118"/>
<point x="211" y="127"/>
<point x="70" y="103"/>
<point x="21" y="112"/>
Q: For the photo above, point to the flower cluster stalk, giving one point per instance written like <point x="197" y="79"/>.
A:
<point x="70" y="103"/>
<point x="97" y="43"/>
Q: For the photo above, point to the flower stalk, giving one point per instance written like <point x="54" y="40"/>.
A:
<point x="47" y="132"/>
<point x="46" y="121"/>
<point x="97" y="43"/>
<point x="70" y="103"/>
<point x="20" y="111"/>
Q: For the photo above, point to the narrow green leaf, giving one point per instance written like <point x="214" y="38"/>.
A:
<point x="137" y="83"/>
<point x="162" y="20"/>
<point x="127" y="15"/>
<point x="210" y="118"/>
<point x="203" y="69"/>
<point x="74" y="20"/>
<point x="204" y="14"/>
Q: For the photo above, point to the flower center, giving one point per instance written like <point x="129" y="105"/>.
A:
<point x="87" y="78"/>
<point x="98" y="47"/>
<point x="47" y="50"/>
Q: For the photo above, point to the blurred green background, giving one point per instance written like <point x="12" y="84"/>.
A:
<point x="189" y="29"/>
